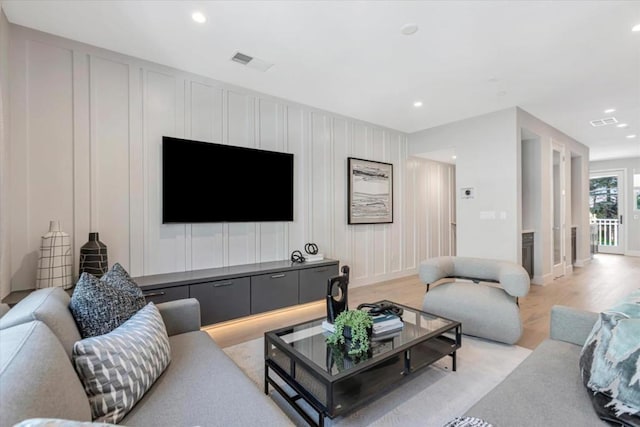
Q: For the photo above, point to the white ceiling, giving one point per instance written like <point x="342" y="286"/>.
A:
<point x="562" y="61"/>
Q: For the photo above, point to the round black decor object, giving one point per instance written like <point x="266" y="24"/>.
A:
<point x="311" y="248"/>
<point x="296" y="256"/>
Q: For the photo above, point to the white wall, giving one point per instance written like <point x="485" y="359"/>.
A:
<point x="631" y="216"/>
<point x="487" y="160"/>
<point x="85" y="149"/>
<point x="5" y="263"/>
<point x="545" y="136"/>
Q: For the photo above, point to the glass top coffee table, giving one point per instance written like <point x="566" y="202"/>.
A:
<point x="297" y="358"/>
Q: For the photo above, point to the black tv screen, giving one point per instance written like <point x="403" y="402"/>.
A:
<point x="207" y="182"/>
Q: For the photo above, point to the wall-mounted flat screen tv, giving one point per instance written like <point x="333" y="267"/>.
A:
<point x="207" y="182"/>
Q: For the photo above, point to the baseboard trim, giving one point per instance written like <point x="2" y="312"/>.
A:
<point x="582" y="262"/>
<point x="632" y="253"/>
<point x="542" y="280"/>
<point x="356" y="283"/>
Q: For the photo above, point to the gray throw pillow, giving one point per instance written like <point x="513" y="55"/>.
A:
<point x="98" y="307"/>
<point x="610" y="363"/>
<point x="118" y="368"/>
<point x="118" y="277"/>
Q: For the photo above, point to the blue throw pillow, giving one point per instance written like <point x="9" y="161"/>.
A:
<point x="610" y="363"/>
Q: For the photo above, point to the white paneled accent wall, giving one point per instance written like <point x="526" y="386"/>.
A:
<point x="432" y="209"/>
<point x="86" y="133"/>
<point x="5" y="253"/>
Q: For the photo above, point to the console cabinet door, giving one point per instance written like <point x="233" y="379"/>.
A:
<point x="166" y="294"/>
<point x="272" y="291"/>
<point x="313" y="282"/>
<point x="222" y="300"/>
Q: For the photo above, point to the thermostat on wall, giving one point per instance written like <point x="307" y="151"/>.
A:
<point x="467" y="193"/>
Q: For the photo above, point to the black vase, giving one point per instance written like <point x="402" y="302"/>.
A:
<point x="93" y="256"/>
<point x="337" y="300"/>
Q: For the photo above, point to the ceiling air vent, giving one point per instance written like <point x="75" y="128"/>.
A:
<point x="251" y="62"/>
<point x="242" y="58"/>
<point x="603" y="122"/>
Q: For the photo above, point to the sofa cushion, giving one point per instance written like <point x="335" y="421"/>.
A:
<point x="203" y="387"/>
<point x="610" y="363"/>
<point x="119" y="367"/>
<point x="544" y="390"/>
<point x="37" y="378"/>
<point x="99" y="307"/>
<point x="50" y="306"/>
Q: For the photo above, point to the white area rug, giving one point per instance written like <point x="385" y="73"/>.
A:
<point x="430" y="398"/>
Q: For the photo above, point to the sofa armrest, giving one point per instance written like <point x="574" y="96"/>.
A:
<point x="181" y="315"/>
<point x="571" y="325"/>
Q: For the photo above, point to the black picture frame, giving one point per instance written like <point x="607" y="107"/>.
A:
<point x="370" y="191"/>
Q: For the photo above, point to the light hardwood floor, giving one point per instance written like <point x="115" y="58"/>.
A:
<point x="600" y="284"/>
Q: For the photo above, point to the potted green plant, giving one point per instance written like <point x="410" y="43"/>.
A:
<point x="352" y="327"/>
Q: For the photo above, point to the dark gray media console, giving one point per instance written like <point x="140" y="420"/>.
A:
<point x="232" y="292"/>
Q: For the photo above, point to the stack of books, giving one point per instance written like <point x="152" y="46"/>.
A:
<point x="386" y="324"/>
<point x="328" y="326"/>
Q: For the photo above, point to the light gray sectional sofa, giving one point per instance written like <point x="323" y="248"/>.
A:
<point x="200" y="387"/>
<point x="546" y="389"/>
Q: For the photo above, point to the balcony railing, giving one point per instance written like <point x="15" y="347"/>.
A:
<point x="607" y="231"/>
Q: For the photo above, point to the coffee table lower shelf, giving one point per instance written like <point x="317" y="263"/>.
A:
<point x="332" y="395"/>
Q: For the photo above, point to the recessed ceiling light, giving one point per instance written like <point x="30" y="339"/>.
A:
<point x="409" y="29"/>
<point x="199" y="17"/>
<point x="622" y="125"/>
<point x="454" y="157"/>
<point x="636" y="28"/>
<point x="417" y="104"/>
<point x="609" y="110"/>
<point x="631" y="136"/>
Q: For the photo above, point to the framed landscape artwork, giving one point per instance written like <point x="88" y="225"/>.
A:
<point x="370" y="192"/>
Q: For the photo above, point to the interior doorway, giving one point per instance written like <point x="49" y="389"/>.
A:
<point x="558" y="210"/>
<point x="606" y="202"/>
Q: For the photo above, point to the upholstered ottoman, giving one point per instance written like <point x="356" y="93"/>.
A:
<point x="484" y="301"/>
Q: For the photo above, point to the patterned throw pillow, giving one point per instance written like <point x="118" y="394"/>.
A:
<point x="100" y="305"/>
<point x="59" y="422"/>
<point x="610" y="363"/>
<point x="467" y="422"/>
<point x="116" y="369"/>
<point x="118" y="277"/>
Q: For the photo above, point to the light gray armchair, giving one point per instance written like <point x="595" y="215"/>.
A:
<point x="481" y="293"/>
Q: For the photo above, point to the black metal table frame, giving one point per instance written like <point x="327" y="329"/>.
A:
<point x="322" y="410"/>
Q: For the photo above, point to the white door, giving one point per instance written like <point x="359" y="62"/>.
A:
<point x="557" y="211"/>
<point x="606" y="206"/>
